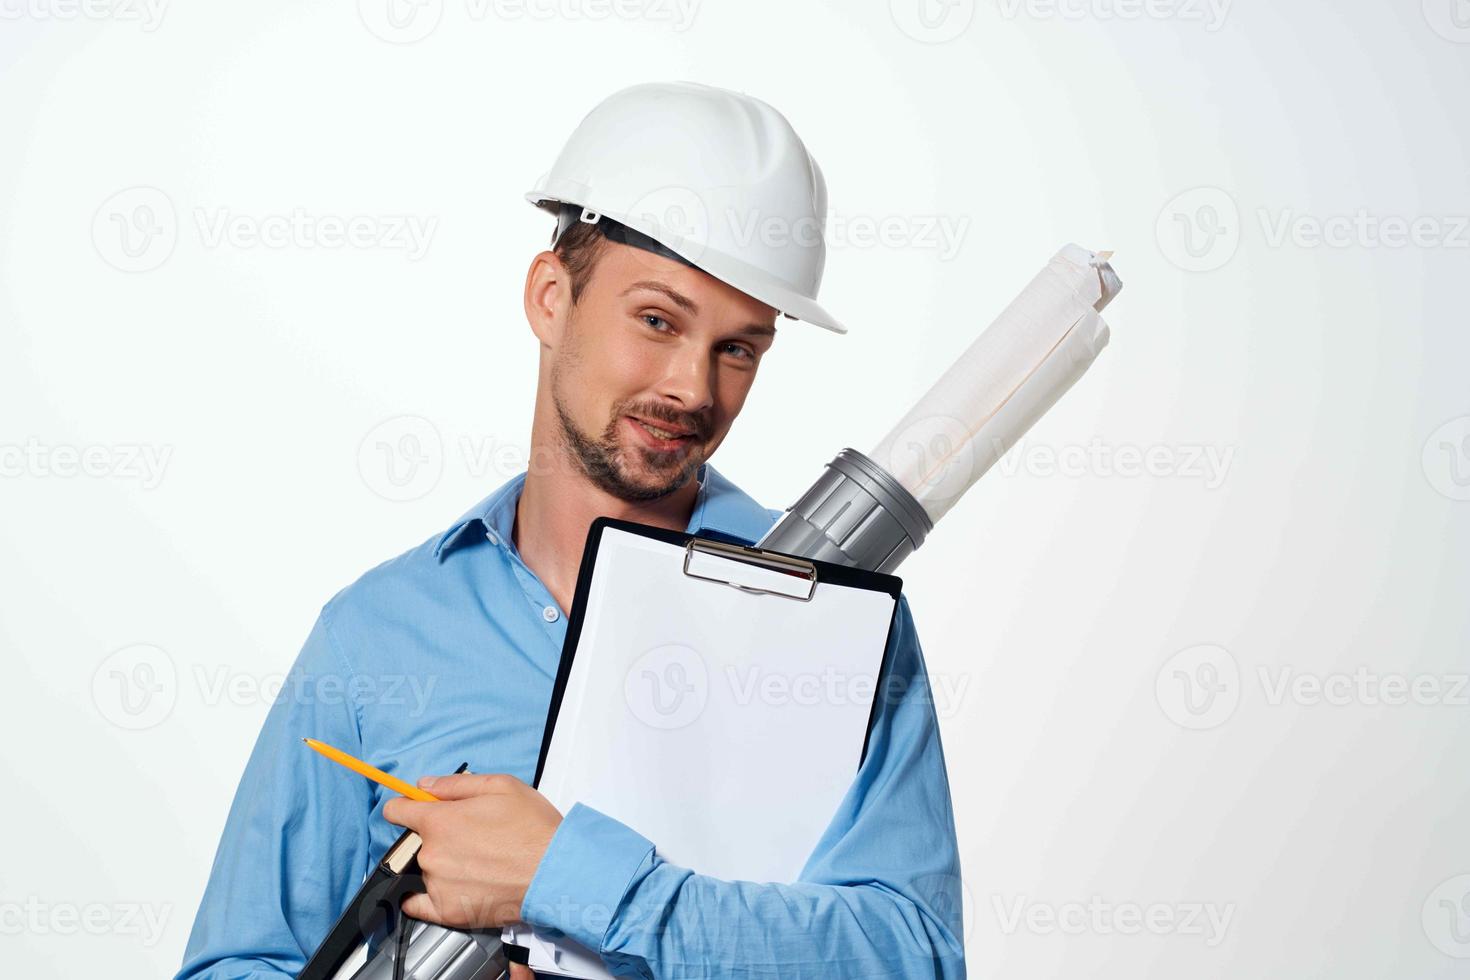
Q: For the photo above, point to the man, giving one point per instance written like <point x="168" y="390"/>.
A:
<point x="650" y="341"/>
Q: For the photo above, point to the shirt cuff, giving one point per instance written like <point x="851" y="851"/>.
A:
<point x="583" y="876"/>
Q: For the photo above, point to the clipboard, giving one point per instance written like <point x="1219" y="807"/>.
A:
<point x="716" y="697"/>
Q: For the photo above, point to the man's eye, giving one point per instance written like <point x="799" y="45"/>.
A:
<point x="654" y="320"/>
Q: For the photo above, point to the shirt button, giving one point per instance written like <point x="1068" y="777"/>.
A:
<point x="550" y="613"/>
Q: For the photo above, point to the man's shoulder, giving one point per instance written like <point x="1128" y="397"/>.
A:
<point x="398" y="583"/>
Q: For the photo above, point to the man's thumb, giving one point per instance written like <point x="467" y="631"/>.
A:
<point x="420" y="906"/>
<point x="461" y="786"/>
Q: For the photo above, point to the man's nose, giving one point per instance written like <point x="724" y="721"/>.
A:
<point x="689" y="380"/>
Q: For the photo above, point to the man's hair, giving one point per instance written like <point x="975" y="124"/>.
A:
<point x="579" y="248"/>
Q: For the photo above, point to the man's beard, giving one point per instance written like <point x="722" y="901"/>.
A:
<point x="602" y="459"/>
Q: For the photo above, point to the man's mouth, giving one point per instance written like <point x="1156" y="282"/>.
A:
<point x="661" y="433"/>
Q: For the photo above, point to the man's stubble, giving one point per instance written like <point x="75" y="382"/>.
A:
<point x="601" y="459"/>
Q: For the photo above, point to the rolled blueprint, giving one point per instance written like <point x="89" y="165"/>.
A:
<point x="1007" y="379"/>
<point x="873" y="510"/>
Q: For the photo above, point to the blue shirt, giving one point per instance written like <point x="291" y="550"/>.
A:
<point x="448" y="654"/>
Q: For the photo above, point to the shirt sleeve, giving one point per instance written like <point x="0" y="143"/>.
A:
<point x="295" y="845"/>
<point x="880" y="897"/>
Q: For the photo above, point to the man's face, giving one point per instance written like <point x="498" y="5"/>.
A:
<point x="652" y="342"/>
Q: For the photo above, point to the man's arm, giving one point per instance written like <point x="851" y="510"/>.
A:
<point x="880" y="896"/>
<point x="295" y="844"/>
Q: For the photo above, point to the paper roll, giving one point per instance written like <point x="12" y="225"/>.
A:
<point x="1007" y="379"/>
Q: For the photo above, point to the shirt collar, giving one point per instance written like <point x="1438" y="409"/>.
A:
<point x="721" y="509"/>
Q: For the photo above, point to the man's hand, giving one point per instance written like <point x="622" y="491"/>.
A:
<point x="482" y="844"/>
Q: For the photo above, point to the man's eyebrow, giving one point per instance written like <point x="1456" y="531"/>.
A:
<point x="684" y="302"/>
<point x="692" y="308"/>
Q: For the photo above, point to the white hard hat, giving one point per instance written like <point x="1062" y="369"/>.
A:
<point x="715" y="178"/>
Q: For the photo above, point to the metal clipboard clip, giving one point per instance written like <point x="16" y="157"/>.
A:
<point x="766" y="572"/>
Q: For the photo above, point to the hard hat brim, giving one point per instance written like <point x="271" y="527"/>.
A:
<point x="732" y="271"/>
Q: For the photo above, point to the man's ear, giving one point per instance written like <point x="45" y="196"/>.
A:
<point x="548" y="298"/>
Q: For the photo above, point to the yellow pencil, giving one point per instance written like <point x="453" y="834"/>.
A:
<point x="376" y="775"/>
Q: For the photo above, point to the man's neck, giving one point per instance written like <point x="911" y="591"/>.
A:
<point x="557" y="507"/>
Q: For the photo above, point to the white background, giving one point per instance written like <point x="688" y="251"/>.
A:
<point x="1074" y="609"/>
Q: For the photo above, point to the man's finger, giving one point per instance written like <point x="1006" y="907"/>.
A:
<point x="464" y="785"/>
<point x="420" y="906"/>
<point x="405" y="812"/>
